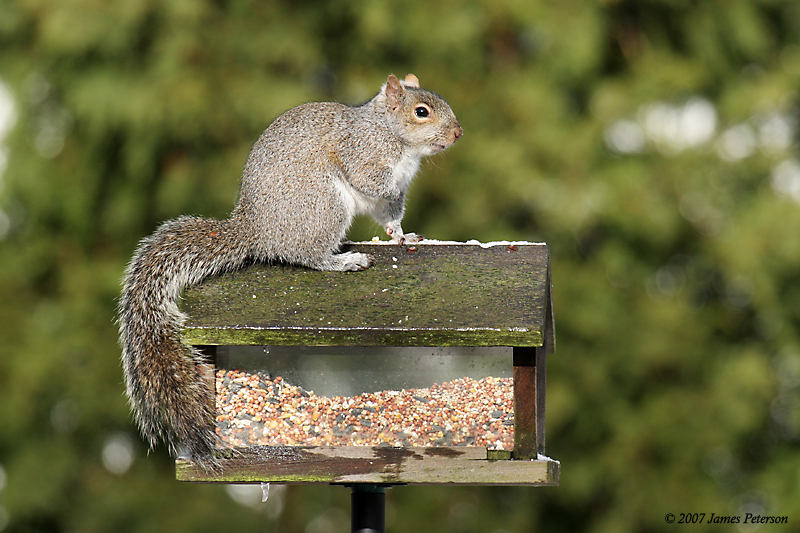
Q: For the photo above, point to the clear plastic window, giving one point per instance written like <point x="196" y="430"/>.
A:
<point x="330" y="396"/>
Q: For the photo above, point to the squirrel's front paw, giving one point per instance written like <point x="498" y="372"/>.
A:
<point x="407" y="238"/>
<point x="410" y="238"/>
<point x="398" y="237"/>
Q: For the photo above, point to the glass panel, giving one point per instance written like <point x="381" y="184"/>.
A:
<point x="330" y="396"/>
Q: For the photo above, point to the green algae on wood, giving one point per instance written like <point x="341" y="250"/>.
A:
<point x="420" y="295"/>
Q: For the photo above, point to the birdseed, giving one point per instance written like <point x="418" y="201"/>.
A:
<point x="255" y="409"/>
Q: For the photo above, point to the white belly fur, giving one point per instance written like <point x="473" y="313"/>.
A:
<point x="356" y="202"/>
<point x="405" y="169"/>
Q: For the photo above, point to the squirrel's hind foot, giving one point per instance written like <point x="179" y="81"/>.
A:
<point x="347" y="261"/>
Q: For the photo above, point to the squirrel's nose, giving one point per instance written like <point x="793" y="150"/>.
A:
<point x="458" y="131"/>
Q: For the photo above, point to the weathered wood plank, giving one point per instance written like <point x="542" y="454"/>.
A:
<point x="421" y="295"/>
<point x="360" y="464"/>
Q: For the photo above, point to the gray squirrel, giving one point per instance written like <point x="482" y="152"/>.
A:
<point x="311" y="171"/>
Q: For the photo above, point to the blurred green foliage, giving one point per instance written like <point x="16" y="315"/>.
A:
<point x="652" y="144"/>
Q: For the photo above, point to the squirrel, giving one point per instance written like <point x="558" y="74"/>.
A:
<point x="309" y="173"/>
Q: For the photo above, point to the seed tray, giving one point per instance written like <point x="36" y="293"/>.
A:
<point x="255" y="410"/>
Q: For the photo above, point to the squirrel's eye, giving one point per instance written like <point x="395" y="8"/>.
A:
<point x="422" y="111"/>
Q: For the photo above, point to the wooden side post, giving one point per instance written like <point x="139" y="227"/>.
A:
<point x="530" y="386"/>
<point x="541" y="386"/>
<point x="525" y="404"/>
<point x="530" y="365"/>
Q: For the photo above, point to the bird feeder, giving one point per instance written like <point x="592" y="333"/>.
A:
<point x="427" y="368"/>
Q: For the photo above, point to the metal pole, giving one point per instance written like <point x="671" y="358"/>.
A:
<point x="367" y="508"/>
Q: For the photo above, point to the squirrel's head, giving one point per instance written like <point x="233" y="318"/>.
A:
<point x="421" y="118"/>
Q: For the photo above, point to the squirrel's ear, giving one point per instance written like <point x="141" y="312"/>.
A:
<point x="411" y="81"/>
<point x="393" y="91"/>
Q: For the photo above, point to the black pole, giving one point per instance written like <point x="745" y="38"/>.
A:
<point x="367" y="508"/>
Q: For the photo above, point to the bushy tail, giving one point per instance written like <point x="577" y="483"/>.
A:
<point x="168" y="392"/>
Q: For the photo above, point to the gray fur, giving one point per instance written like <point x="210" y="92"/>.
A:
<point x="311" y="171"/>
